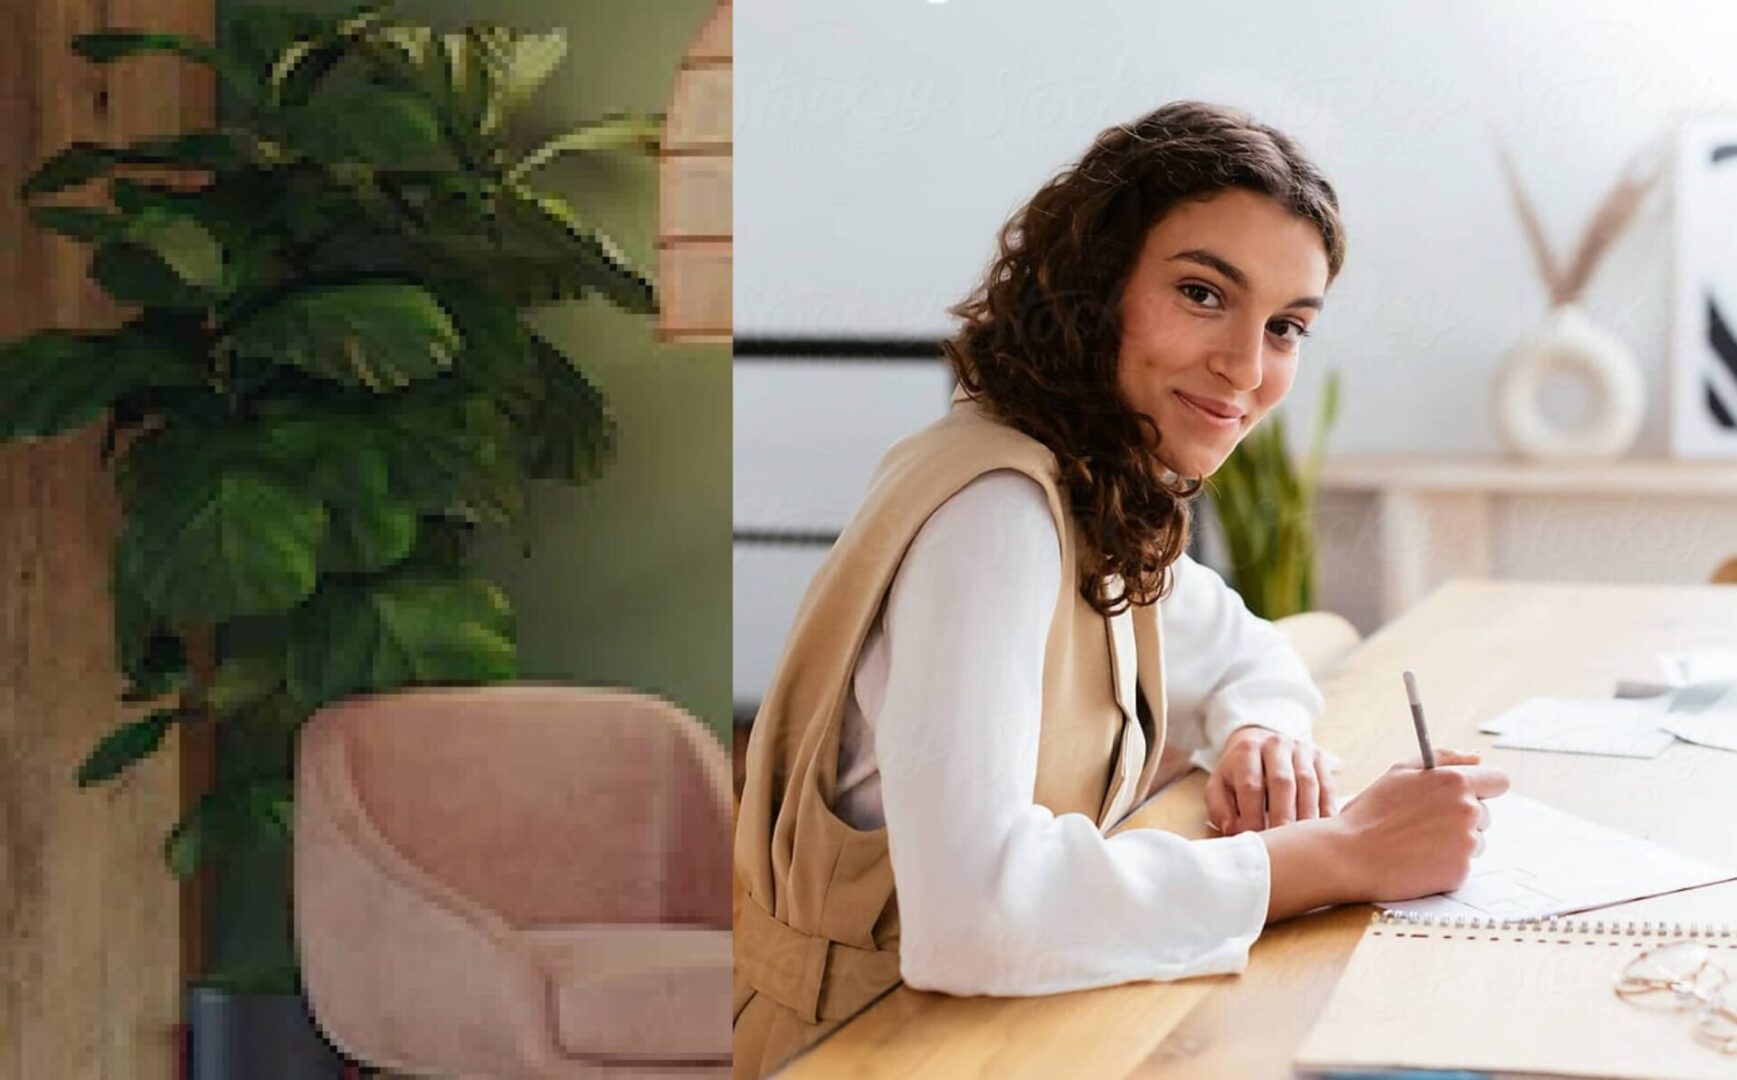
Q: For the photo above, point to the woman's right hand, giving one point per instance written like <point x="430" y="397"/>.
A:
<point x="1414" y="831"/>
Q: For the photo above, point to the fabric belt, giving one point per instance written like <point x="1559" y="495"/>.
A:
<point x="814" y="977"/>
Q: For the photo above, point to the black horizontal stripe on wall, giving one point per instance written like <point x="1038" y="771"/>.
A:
<point x="832" y="347"/>
<point x="785" y="537"/>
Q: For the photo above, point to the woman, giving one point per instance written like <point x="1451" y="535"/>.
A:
<point x="979" y="685"/>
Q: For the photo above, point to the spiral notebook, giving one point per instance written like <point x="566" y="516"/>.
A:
<point x="1496" y="996"/>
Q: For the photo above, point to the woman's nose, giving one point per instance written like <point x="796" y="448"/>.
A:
<point x="1239" y="361"/>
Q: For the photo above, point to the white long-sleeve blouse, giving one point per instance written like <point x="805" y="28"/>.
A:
<point x="998" y="895"/>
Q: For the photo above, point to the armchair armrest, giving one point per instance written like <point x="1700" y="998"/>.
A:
<point x="400" y="969"/>
<point x="1321" y="638"/>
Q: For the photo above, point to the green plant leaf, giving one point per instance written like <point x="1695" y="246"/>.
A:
<point x="600" y="265"/>
<point x="498" y="357"/>
<point x="370" y="530"/>
<point x="77" y="222"/>
<point x="107" y="46"/>
<point x="541" y="251"/>
<point x="231" y="817"/>
<point x="255" y="37"/>
<point x="444" y="455"/>
<point x="512" y="65"/>
<point x="220" y="544"/>
<point x="303" y="66"/>
<point x="82" y="162"/>
<point x="568" y="434"/>
<point x="184" y="246"/>
<point x="243" y="681"/>
<point x="56" y="381"/>
<point x="369" y="536"/>
<point x="623" y="131"/>
<point x="161" y="668"/>
<point x="77" y="164"/>
<point x="125" y="746"/>
<point x="133" y="274"/>
<point x="383" y="129"/>
<point x="381" y="335"/>
<point x="405" y="630"/>
<point x="161" y="258"/>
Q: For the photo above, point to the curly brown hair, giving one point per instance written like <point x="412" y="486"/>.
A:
<point x="1042" y="331"/>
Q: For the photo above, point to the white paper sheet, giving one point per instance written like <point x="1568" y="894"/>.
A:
<point x="1715" y="729"/>
<point x="1539" y="861"/>
<point x="1699" y="665"/>
<point x="1620" y="727"/>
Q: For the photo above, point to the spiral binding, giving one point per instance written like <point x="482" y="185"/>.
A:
<point x="1588" y="925"/>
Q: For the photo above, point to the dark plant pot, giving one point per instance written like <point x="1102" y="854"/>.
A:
<point x="255" y="1037"/>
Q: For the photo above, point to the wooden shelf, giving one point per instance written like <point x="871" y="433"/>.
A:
<point x="1417" y="521"/>
<point x="1511" y="476"/>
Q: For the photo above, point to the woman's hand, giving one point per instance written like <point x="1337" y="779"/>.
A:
<point x="1267" y="779"/>
<point x="1415" y="831"/>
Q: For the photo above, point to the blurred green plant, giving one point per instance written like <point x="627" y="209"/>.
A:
<point x="325" y="383"/>
<point x="1265" y="508"/>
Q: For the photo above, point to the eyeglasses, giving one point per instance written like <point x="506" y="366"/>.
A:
<point x="1682" y="976"/>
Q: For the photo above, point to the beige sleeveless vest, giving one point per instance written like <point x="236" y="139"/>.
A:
<point x="817" y="931"/>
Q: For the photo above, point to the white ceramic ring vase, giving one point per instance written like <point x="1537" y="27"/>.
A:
<point x="1570" y="343"/>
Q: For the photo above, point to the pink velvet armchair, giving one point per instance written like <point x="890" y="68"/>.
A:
<point x="516" y="881"/>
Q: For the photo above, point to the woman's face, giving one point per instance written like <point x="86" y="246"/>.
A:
<point x="1212" y="320"/>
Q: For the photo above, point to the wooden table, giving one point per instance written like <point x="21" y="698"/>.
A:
<point x="1477" y="647"/>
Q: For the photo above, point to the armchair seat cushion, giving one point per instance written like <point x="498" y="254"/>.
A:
<point x="639" y="991"/>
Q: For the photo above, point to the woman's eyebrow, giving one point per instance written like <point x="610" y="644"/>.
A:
<point x="1237" y="277"/>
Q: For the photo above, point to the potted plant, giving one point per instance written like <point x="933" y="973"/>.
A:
<point x="324" y="385"/>
<point x="1265" y="508"/>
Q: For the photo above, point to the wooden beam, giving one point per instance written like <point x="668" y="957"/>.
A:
<point x="91" y="973"/>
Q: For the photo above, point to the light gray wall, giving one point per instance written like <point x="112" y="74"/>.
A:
<point x="882" y="142"/>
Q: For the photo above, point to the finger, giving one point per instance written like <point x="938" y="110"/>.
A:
<point x="1281" y="781"/>
<point x="1445" y="757"/>
<point x="1477" y="844"/>
<point x="1458" y="757"/>
<point x="1308" y="783"/>
<point x="1219" y="809"/>
<point x="1325" y="775"/>
<point x="1483" y="816"/>
<point x="1487" y="780"/>
<point x="1247" y="788"/>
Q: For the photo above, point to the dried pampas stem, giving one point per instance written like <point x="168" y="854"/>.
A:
<point x="1535" y="237"/>
<point x="1618" y="208"/>
<point x="1612" y="216"/>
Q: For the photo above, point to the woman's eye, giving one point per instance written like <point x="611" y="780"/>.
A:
<point x="1300" y="333"/>
<point x="1200" y="294"/>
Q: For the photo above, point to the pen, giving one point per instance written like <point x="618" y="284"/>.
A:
<point x="1417" y="720"/>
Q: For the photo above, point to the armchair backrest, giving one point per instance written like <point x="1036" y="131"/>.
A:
<point x="547" y="804"/>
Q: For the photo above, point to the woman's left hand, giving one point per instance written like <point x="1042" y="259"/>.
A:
<point x="1265" y="779"/>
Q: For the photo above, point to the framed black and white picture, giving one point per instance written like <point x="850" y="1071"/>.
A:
<point x="1704" y="354"/>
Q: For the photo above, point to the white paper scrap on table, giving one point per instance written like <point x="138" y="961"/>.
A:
<point x="1621" y="727"/>
<point x="1694" y="698"/>
<point x="1539" y="861"/>
<point x="1699" y="665"/>
<point x="1715" y="729"/>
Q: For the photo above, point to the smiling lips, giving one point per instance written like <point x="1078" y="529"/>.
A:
<point x="1216" y="412"/>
